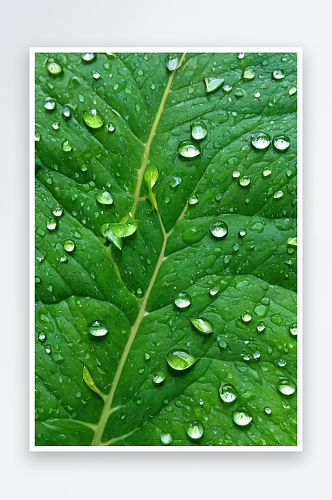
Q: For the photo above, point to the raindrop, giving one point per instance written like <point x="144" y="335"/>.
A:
<point x="213" y="83"/>
<point x="159" y="377"/>
<point x="281" y="143"/>
<point x="202" y="325"/>
<point x="293" y="330"/>
<point x="198" y="130"/>
<point x="249" y="73"/>
<point x="42" y="337"/>
<point x="278" y="194"/>
<point x="256" y="355"/>
<point x="195" y="429"/>
<point x="104" y="198"/>
<point x="172" y="61"/>
<point x="266" y="172"/>
<point x="236" y="174"/>
<point x="88" y="57"/>
<point x="214" y="290"/>
<point x="180" y="359"/>
<point x="182" y="300"/>
<point x="242" y="233"/>
<point x="260" y="140"/>
<point x="55" y="125"/>
<point x="193" y="199"/>
<point x="111" y="127"/>
<point x="286" y="387"/>
<point x="66" y="146"/>
<point x="219" y="229"/>
<point x="69" y="245"/>
<point x="292" y="242"/>
<point x="147" y="356"/>
<point x="57" y="211"/>
<point x="240" y="55"/>
<point x="166" y="438"/>
<point x="246" y="317"/>
<point x="257" y="94"/>
<point x="292" y="91"/>
<point x="278" y="74"/>
<point x="53" y="67"/>
<point x="281" y="362"/>
<point x="37" y="137"/>
<point x="189" y="149"/>
<point x="227" y="88"/>
<point x="260" y="327"/>
<point x="227" y="393"/>
<point x="93" y="118"/>
<point x="49" y="103"/>
<point x="51" y="224"/>
<point x="244" y="181"/>
<point x="267" y="410"/>
<point x="97" y="328"/>
<point x="96" y="75"/>
<point x="242" y="417"/>
<point x="66" y="112"/>
<point x="175" y="182"/>
<point x="64" y="258"/>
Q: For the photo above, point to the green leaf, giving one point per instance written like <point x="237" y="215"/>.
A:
<point x="154" y="378"/>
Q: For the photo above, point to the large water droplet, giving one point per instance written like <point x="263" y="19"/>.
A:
<point x="249" y="73"/>
<point x="278" y="194"/>
<point x="227" y="88"/>
<point x="93" y="118"/>
<point x="244" y="181"/>
<point x="57" y="211"/>
<point x="293" y="329"/>
<point x="240" y="55"/>
<point x="278" y="74"/>
<point x="195" y="429"/>
<point x="182" y="300"/>
<point x="266" y="172"/>
<point x="193" y="199"/>
<point x="236" y="174"/>
<point x="111" y="127"/>
<point x="159" y="377"/>
<point x="166" y="438"/>
<point x="104" y="198"/>
<point x="260" y="140"/>
<point x="66" y="146"/>
<point x="292" y="91"/>
<point x="292" y="242"/>
<point x="281" y="143"/>
<point x="51" y="224"/>
<point x="53" y="67"/>
<point x="49" y="103"/>
<point x="242" y="417"/>
<point x="97" y="328"/>
<point x="66" y="112"/>
<point x="267" y="410"/>
<point x="69" y="245"/>
<point x="198" y="130"/>
<point x="260" y="327"/>
<point x="246" y="317"/>
<point x="88" y="57"/>
<point x="202" y="325"/>
<point x="175" y="182"/>
<point x="172" y="61"/>
<point x="180" y="359"/>
<point x="227" y="393"/>
<point x="213" y="83"/>
<point x="219" y="229"/>
<point x="189" y="149"/>
<point x="286" y="387"/>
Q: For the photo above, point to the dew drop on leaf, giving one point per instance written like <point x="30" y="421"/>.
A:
<point x="227" y="88"/>
<point x="286" y="387"/>
<point x="244" y="181"/>
<point x="193" y="199"/>
<point x="246" y="317"/>
<point x="93" y="118"/>
<point x="219" y="229"/>
<point x="57" y="211"/>
<point x="66" y="146"/>
<point x="66" y="112"/>
<point x="189" y="149"/>
<point x="69" y="245"/>
<point x="278" y="74"/>
<point x="182" y="300"/>
<point x="88" y="57"/>
<point x="97" y="328"/>
<point x="51" y="224"/>
<point x="292" y="91"/>
<point x="159" y="377"/>
<point x="49" y="103"/>
<point x="267" y="410"/>
<point x="249" y="73"/>
<point x="53" y="67"/>
<point x="195" y="430"/>
<point x="227" y="393"/>
<point x="278" y="194"/>
<point x="293" y="330"/>
<point x="213" y="83"/>
<point x="198" y="130"/>
<point x="202" y="325"/>
<point x="180" y="359"/>
<point x="104" y="198"/>
<point x="242" y="417"/>
<point x="260" y="140"/>
<point x="281" y="143"/>
<point x="172" y="61"/>
<point x="166" y="438"/>
<point x="260" y="327"/>
<point x="111" y="127"/>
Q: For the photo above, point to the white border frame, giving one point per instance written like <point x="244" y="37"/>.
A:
<point x="32" y="446"/>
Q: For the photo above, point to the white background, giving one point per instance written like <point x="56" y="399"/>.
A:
<point x="252" y="23"/>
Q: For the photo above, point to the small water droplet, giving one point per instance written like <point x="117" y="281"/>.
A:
<point x="292" y="242"/>
<point x="278" y="74"/>
<point x="172" y="61"/>
<point x="64" y="258"/>
<point x="42" y="337"/>
<point x="266" y="172"/>
<point x="147" y="356"/>
<point x="182" y="300"/>
<point x="293" y="330"/>
<point x="260" y="140"/>
<point x="37" y="137"/>
<point x="141" y="371"/>
<point x="281" y="362"/>
<point x="240" y="55"/>
<point x="257" y="94"/>
<point x="189" y="149"/>
<point x="292" y="91"/>
<point x="111" y="127"/>
<point x="159" y="377"/>
<point x="242" y="417"/>
<point x="175" y="182"/>
<point x="286" y="387"/>
<point x="222" y="344"/>
<point x="97" y="328"/>
<point x="249" y="73"/>
<point x="244" y="181"/>
<point x="104" y="198"/>
<point x="246" y="317"/>
<point x="69" y="245"/>
<point x="278" y="194"/>
<point x="167" y="199"/>
<point x="242" y="233"/>
<point x="180" y="359"/>
<point x="51" y="224"/>
<point x="267" y="410"/>
<point x="93" y="118"/>
<point x="281" y="143"/>
<point x="260" y="327"/>
<point x="236" y="174"/>
<point x="55" y="125"/>
<point x="193" y="199"/>
<point x="256" y="354"/>
<point x="54" y="67"/>
<point x="247" y="357"/>
<point x="202" y="325"/>
<point x="49" y="103"/>
<point x="218" y="197"/>
<point x="227" y="88"/>
<point x="213" y="83"/>
<point x="198" y="130"/>
<point x="88" y="57"/>
<point x="227" y="393"/>
<point x="66" y="146"/>
<point x="195" y="429"/>
<point x="66" y="112"/>
<point x="214" y="290"/>
<point x="166" y="438"/>
<point x="219" y="229"/>
<point x="57" y="211"/>
<point x="96" y="75"/>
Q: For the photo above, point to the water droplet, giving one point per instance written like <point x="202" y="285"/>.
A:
<point x="93" y="118"/>
<point x="240" y="55"/>
<point x="69" y="245"/>
<point x="278" y="74"/>
<point x="227" y="88"/>
<point x="219" y="229"/>
<point x="139" y="291"/>
<point x="218" y="197"/>
<point x="104" y="198"/>
<point x="97" y="328"/>
<point x="66" y="112"/>
<point x="239" y="93"/>
<point x="293" y="329"/>
<point x="236" y="174"/>
<point x="88" y="57"/>
<point x="198" y="130"/>
<point x="202" y="325"/>
<point x="195" y="429"/>
<point x="286" y="387"/>
<point x="175" y="182"/>
<point x="42" y="337"/>
<point x="281" y="362"/>
<point x="111" y="127"/>
<point x="37" y="137"/>
<point x="213" y="83"/>
<point x="247" y="357"/>
<point x="167" y="199"/>
<point x="260" y="140"/>
<point x="260" y="327"/>
<point x="49" y="103"/>
<point x="64" y="258"/>
<point x="189" y="149"/>
<point x="267" y="410"/>
<point x="55" y="125"/>
<point x="266" y="172"/>
<point x="281" y="143"/>
<point x="292" y="242"/>
<point x="246" y="317"/>
<point x="147" y="356"/>
<point x="141" y="371"/>
<point x="166" y="438"/>
<point x="182" y="300"/>
<point x="292" y="91"/>
<point x="57" y="211"/>
<point x="242" y="233"/>
<point x="172" y="61"/>
<point x="193" y="199"/>
<point x="278" y="194"/>
<point x="244" y="181"/>
<point x="249" y="73"/>
<point x="180" y="359"/>
<point x="227" y="393"/>
<point x="96" y="75"/>
<point x="51" y="224"/>
<point x="159" y="377"/>
<point x="242" y="417"/>
<point x="257" y="94"/>
<point x="66" y="146"/>
<point x="222" y="344"/>
<point x="54" y="67"/>
<point x="256" y="354"/>
<point x="214" y="290"/>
